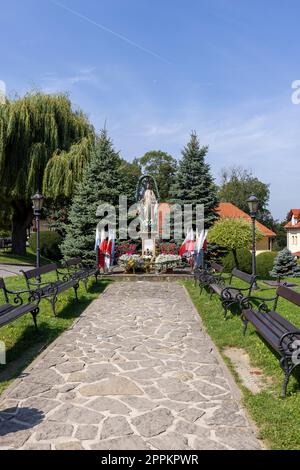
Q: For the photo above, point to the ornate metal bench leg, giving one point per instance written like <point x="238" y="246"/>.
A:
<point x="225" y="305"/>
<point x="245" y="324"/>
<point x="34" y="315"/>
<point x="75" y="287"/>
<point x="53" y="301"/>
<point x="287" y="369"/>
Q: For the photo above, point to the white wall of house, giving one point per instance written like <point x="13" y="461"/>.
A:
<point x="293" y="239"/>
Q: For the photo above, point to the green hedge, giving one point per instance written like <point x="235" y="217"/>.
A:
<point x="49" y="244"/>
<point x="244" y="261"/>
<point x="264" y="263"/>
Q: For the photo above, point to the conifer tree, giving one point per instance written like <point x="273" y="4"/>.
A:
<point x="194" y="183"/>
<point x="285" y="265"/>
<point x="101" y="183"/>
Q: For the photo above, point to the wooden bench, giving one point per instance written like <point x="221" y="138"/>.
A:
<point x="212" y="272"/>
<point x="18" y="307"/>
<point x="50" y="289"/>
<point x="278" y="332"/>
<point x="76" y="269"/>
<point x="228" y="294"/>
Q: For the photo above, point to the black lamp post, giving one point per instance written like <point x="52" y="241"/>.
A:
<point x="253" y="206"/>
<point x="37" y="204"/>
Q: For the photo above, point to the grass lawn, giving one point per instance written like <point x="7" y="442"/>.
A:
<point x="8" y="258"/>
<point x="20" y="336"/>
<point x="278" y="419"/>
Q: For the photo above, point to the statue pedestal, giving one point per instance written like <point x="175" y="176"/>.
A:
<point x="148" y="246"/>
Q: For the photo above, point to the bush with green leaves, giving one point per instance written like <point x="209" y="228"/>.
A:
<point x="264" y="263"/>
<point x="49" y="244"/>
<point x="233" y="234"/>
<point x="244" y="259"/>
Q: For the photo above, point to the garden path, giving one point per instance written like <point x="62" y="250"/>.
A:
<point x="136" y="371"/>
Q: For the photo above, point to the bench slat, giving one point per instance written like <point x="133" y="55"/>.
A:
<point x="15" y="313"/>
<point x="38" y="271"/>
<point x="242" y="276"/>
<point x="256" y="320"/>
<point x="217" y="267"/>
<point x="289" y="294"/>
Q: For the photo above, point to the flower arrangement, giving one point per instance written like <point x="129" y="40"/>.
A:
<point x="125" y="248"/>
<point x="165" y="262"/>
<point x="131" y="262"/>
<point x="166" y="248"/>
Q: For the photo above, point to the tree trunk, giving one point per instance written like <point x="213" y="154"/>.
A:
<point x="21" y="220"/>
<point x="235" y="258"/>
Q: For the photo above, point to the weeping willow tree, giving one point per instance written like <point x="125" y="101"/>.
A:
<point x="44" y="145"/>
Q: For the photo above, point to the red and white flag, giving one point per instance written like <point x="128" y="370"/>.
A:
<point x="109" y="250"/>
<point x="102" y="249"/>
<point x="188" y="246"/>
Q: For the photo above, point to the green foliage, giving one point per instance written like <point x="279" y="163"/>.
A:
<point x="233" y="234"/>
<point x="5" y="234"/>
<point x="244" y="261"/>
<point x="238" y="184"/>
<point x="44" y="144"/>
<point x="129" y="174"/>
<point x="162" y="167"/>
<point x="194" y="183"/>
<point x="101" y="184"/>
<point x="264" y="264"/>
<point x="32" y="129"/>
<point x="280" y="240"/>
<point x="49" y="244"/>
<point x="65" y="169"/>
<point x="285" y="264"/>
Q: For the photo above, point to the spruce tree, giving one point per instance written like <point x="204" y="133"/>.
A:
<point x="101" y="183"/>
<point x="285" y="265"/>
<point x="194" y="183"/>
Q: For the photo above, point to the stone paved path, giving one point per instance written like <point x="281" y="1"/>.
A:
<point x="136" y="371"/>
<point x="13" y="269"/>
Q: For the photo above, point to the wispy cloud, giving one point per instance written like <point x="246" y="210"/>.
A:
<point x="52" y="82"/>
<point x="110" y="31"/>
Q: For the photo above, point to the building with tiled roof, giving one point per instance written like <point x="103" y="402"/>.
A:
<point x="293" y="231"/>
<point x="227" y="210"/>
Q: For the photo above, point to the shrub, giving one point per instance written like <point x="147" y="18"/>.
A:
<point x="285" y="265"/>
<point x="244" y="261"/>
<point x="264" y="264"/>
<point x="49" y="244"/>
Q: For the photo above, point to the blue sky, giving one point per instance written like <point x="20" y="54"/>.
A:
<point x="155" y="70"/>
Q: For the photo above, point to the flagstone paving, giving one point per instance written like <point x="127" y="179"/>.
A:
<point x="136" y="371"/>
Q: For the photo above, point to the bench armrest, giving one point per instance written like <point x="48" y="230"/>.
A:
<point x="247" y="303"/>
<point x="291" y="346"/>
<point x="33" y="295"/>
